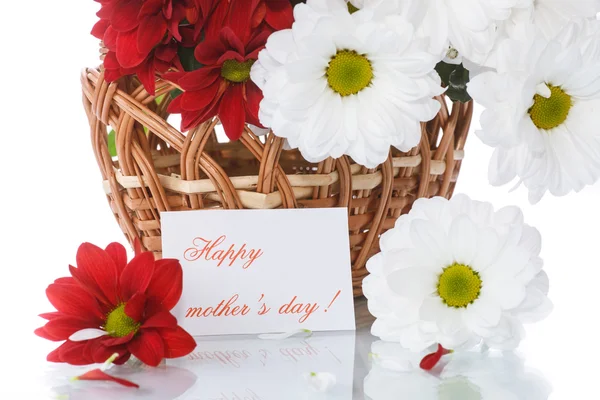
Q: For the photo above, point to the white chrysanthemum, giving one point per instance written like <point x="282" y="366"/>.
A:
<point x="549" y="16"/>
<point x="457" y="273"/>
<point x="543" y="111"/>
<point x="469" y="26"/>
<point x="346" y="83"/>
<point x="466" y="376"/>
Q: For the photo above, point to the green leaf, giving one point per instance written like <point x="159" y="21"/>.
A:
<point x="455" y="78"/>
<point x="187" y="58"/>
<point x="175" y="92"/>
<point x="112" y="143"/>
<point x="160" y="98"/>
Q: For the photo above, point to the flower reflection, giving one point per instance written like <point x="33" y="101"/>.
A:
<point x="465" y="376"/>
<point x="162" y="383"/>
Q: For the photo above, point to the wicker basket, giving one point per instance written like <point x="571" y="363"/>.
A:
<point x="160" y="169"/>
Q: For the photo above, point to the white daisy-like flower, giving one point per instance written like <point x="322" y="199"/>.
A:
<point x="466" y="376"/>
<point x="342" y="82"/>
<point x="470" y="26"/>
<point x="549" y="16"/>
<point x="457" y="273"/>
<point x="543" y="111"/>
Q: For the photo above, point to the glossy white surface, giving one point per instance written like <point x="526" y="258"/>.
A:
<point x="249" y="368"/>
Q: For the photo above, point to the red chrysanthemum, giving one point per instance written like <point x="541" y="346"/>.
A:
<point x="127" y="304"/>
<point x="273" y="15"/>
<point x="142" y="36"/>
<point x="222" y="86"/>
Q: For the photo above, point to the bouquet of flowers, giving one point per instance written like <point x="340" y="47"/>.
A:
<point x="336" y="77"/>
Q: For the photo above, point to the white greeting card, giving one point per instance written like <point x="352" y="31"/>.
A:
<point x="257" y="271"/>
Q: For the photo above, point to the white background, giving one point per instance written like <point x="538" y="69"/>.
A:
<point x="51" y="200"/>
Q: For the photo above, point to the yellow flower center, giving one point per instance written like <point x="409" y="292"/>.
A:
<point x="459" y="285"/>
<point x="349" y="72"/>
<point x="119" y="324"/>
<point x="235" y="71"/>
<point x="352" y="8"/>
<point x="548" y="113"/>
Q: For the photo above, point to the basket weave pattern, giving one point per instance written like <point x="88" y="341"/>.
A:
<point x="158" y="168"/>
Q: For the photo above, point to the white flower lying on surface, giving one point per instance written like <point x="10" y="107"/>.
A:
<point x="457" y="273"/>
<point x="543" y="111"/>
<point x="347" y="83"/>
<point x="466" y="376"/>
<point x="320" y="381"/>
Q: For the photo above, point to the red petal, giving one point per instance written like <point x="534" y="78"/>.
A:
<point x="137" y="247"/>
<point x="240" y="18"/>
<point x="137" y="275"/>
<point x="256" y="45"/>
<point x="98" y="375"/>
<point x="231" y="112"/>
<point x="125" y="16"/>
<point x="75" y="353"/>
<point x="66" y="280"/>
<point x="209" y="51"/>
<point x="101" y="352"/>
<point x="112" y="75"/>
<point x="128" y="54"/>
<point x="163" y="319"/>
<point x="43" y="333"/>
<point x="200" y="78"/>
<point x="253" y="98"/>
<point x="109" y="341"/>
<point x="145" y="73"/>
<point x="280" y="14"/>
<point x="110" y="39"/>
<point x="166" y="53"/>
<point x="97" y="271"/>
<point x="135" y="307"/>
<point x="259" y="14"/>
<point x="199" y="100"/>
<point x="100" y="28"/>
<point x="178" y="342"/>
<point x="51" y="315"/>
<point x="431" y="360"/>
<point x="175" y="108"/>
<point x="63" y="327"/>
<point x="151" y="7"/>
<point x="118" y="253"/>
<point x="167" y="283"/>
<point x="151" y="32"/>
<point x="231" y="40"/>
<point x="74" y="300"/>
<point x="54" y="356"/>
<point x="148" y="346"/>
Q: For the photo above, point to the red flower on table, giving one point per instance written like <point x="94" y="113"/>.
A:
<point x="142" y="36"/>
<point x="222" y="86"/>
<point x="110" y="306"/>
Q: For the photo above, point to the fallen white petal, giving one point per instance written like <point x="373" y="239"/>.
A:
<point x="87" y="334"/>
<point x="284" y="335"/>
<point x="543" y="90"/>
<point x="320" y="381"/>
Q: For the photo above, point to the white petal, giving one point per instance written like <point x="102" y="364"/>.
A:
<point x="413" y="282"/>
<point x="285" y="335"/>
<point x="87" y="334"/>
<point x="463" y="239"/>
<point x="320" y="381"/>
